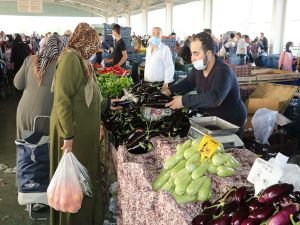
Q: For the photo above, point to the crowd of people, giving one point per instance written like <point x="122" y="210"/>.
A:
<point x="57" y="78"/>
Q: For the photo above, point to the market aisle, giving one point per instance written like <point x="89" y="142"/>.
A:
<point x="11" y="213"/>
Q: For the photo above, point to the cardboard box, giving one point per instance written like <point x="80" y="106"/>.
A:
<point x="271" y="96"/>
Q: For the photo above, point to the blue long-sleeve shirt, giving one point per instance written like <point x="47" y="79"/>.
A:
<point x="218" y="94"/>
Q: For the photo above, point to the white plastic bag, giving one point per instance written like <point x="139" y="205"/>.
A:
<point x="263" y="122"/>
<point x="69" y="182"/>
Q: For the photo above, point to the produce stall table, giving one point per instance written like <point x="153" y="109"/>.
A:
<point x="138" y="204"/>
<point x="268" y="75"/>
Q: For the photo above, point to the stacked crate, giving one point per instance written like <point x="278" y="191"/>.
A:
<point x="246" y="91"/>
<point x="125" y="34"/>
<point x="107" y="34"/>
<point x="241" y="70"/>
<point x="171" y="43"/>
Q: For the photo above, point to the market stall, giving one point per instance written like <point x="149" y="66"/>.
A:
<point x="258" y="75"/>
<point x="139" y="204"/>
<point x="174" y="166"/>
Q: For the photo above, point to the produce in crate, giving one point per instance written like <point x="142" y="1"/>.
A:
<point x="115" y="70"/>
<point x="187" y="180"/>
<point x="276" y="205"/>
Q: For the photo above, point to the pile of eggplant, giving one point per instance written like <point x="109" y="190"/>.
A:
<point x="130" y="128"/>
<point x="276" y="205"/>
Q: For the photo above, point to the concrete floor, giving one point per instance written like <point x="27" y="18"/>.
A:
<point x="11" y="213"/>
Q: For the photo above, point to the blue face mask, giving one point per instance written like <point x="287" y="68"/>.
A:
<point x="155" y="41"/>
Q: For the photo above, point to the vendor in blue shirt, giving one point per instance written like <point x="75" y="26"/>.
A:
<point x="218" y="92"/>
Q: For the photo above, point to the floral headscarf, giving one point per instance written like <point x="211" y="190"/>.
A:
<point x="85" y="41"/>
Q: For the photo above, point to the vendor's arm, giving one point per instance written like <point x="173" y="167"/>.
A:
<point x="214" y="97"/>
<point x="123" y="59"/>
<point x="185" y="86"/>
<point x="68" y="77"/>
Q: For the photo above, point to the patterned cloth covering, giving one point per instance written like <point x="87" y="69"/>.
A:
<point x="138" y="204"/>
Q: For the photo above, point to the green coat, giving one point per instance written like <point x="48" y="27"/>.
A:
<point x="71" y="117"/>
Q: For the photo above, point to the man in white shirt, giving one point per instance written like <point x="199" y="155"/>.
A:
<point x="159" y="65"/>
<point x="241" y="50"/>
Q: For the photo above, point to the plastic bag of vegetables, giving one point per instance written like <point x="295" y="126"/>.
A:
<point x="68" y="185"/>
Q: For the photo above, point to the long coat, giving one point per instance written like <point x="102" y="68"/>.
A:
<point x="71" y="117"/>
<point x="36" y="100"/>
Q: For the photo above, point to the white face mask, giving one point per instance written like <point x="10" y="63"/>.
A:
<point x="199" y="64"/>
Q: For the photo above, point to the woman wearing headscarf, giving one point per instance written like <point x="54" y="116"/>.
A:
<point x="286" y="58"/>
<point x="35" y="78"/>
<point x="75" y="120"/>
<point x="19" y="51"/>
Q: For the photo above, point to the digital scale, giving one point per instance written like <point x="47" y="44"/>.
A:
<point x="219" y="129"/>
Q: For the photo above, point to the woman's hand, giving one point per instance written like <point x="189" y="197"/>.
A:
<point x="68" y="144"/>
<point x="101" y="133"/>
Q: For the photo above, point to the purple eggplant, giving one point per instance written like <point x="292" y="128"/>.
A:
<point x="262" y="214"/>
<point x="295" y="196"/>
<point x="249" y="222"/>
<point x="202" y="219"/>
<point x="242" y="194"/>
<point x="206" y="204"/>
<point x="223" y="220"/>
<point x="254" y="204"/>
<point x="285" y="201"/>
<point x="135" y="137"/>
<point x="240" y="216"/>
<point x="275" y="192"/>
<point x="228" y="197"/>
<point x="283" y="216"/>
<point x="212" y="210"/>
<point x="230" y="208"/>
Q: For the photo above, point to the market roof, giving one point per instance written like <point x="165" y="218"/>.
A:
<point x="105" y="8"/>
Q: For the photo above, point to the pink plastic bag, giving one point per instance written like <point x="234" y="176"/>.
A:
<point x="67" y="187"/>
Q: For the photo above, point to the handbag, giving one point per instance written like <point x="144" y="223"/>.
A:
<point x="33" y="163"/>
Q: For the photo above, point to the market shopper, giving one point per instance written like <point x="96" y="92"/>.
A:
<point x="285" y="61"/>
<point x="19" y="51"/>
<point x="218" y="92"/>
<point x="102" y="47"/>
<point x="185" y="51"/>
<point x="75" y="120"/>
<point x="241" y="50"/>
<point x="264" y="42"/>
<point x="159" y="65"/>
<point x="230" y="46"/>
<point x="119" y="52"/>
<point x="35" y="78"/>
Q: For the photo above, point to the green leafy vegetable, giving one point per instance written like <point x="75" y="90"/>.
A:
<point x="112" y="86"/>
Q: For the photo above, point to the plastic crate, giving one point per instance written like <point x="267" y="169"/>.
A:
<point x="246" y="91"/>
<point x="126" y="32"/>
<point x="127" y="41"/>
<point x="171" y="42"/>
<point x="241" y="70"/>
<point x="138" y="58"/>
